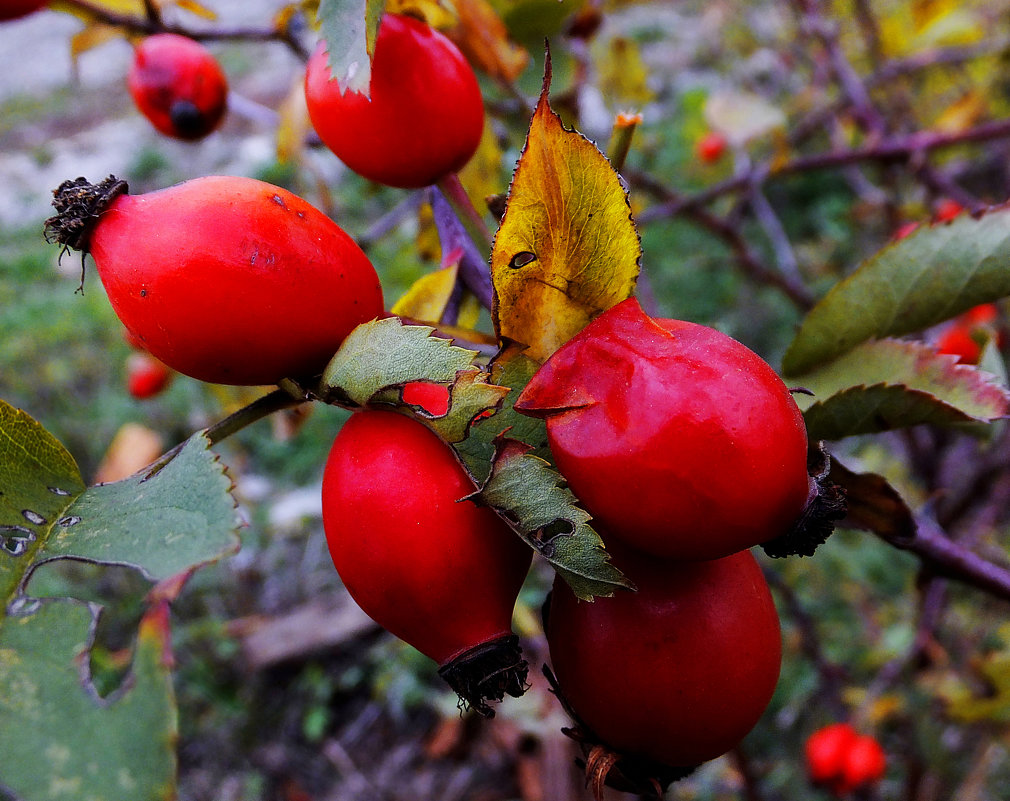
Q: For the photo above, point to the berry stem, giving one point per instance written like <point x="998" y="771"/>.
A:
<point x="264" y="406"/>
<point x="620" y="139"/>
<point x="452" y="189"/>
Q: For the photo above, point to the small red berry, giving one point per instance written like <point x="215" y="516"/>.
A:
<point x="826" y="751"/>
<point x="711" y="147"/>
<point x="904" y="230"/>
<point x="947" y="210"/>
<point x="964" y="335"/>
<point x="424" y="117"/>
<point x="864" y="764"/>
<point x="146" y="376"/>
<point x="178" y="85"/>
<point x="679" y="440"/>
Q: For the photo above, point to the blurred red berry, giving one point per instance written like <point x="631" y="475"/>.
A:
<point x="711" y="147"/>
<point x="904" y="230"/>
<point x="864" y="765"/>
<point x="12" y="9"/>
<point x="947" y="210"/>
<point x="826" y="750"/>
<point x="146" y="376"/>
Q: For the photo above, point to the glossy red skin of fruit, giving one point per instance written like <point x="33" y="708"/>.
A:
<point x="711" y="147"/>
<point x="826" y="750"/>
<point x="178" y="85"/>
<point x="233" y="280"/>
<point x="679" y="440"/>
<point x="439" y="572"/>
<point x="864" y="764"/>
<point x="146" y="377"/>
<point x="13" y="9"/>
<point x="433" y="398"/>
<point x="677" y="672"/>
<point x="425" y="116"/>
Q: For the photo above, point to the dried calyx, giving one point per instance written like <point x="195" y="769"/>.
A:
<point x="487" y="672"/>
<point x="78" y="205"/>
<point x="825" y="506"/>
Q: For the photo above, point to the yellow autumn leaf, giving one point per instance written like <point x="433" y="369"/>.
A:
<point x="428" y="295"/>
<point x="567" y="248"/>
<point x="91" y="36"/>
<point x="961" y="114"/>
<point x="623" y="74"/>
<point x="436" y="13"/>
<point x="293" y="124"/>
<point x="483" y="38"/>
<point x="195" y="8"/>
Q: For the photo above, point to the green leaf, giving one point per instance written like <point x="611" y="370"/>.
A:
<point x="889" y="384"/>
<point x="59" y="739"/>
<point x="933" y="274"/>
<point x="513" y="369"/>
<point x="349" y="28"/>
<point x="530" y="496"/>
<point x="380" y="356"/>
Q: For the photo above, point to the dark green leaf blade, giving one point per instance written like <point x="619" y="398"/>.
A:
<point x="934" y="274"/>
<point x="181" y="517"/>
<point x="889" y="384"/>
<point x="59" y="740"/>
<point x="349" y="28"/>
<point x="530" y="496"/>
<point x="38" y="480"/>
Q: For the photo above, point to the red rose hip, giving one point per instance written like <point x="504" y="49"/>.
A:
<point x="178" y="85"/>
<point x="423" y="119"/>
<point x="228" y="280"/>
<point x="679" y="440"/>
<point x="430" y="566"/>
<point x="677" y="672"/>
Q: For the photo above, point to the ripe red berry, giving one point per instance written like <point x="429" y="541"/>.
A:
<point x="947" y="210"/>
<point x="430" y="566"/>
<point x="964" y="335"/>
<point x="679" y="440"/>
<point x="864" y="764"/>
<point x="229" y="280"/>
<point x="146" y="376"/>
<point x="842" y="760"/>
<point x="424" y="118"/>
<point x="178" y="85"/>
<point x="677" y="672"/>
<point x="826" y="750"/>
<point x="13" y="9"/>
<point x="711" y="147"/>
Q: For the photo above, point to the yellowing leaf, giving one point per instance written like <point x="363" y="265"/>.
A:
<point x="437" y="13"/>
<point x="623" y="74"/>
<point x="90" y="37"/>
<point x="428" y="295"/>
<point x="484" y="40"/>
<point x="134" y="7"/>
<point x="195" y="8"/>
<point x="567" y="248"/>
<point x="294" y="124"/>
<point x="961" y="114"/>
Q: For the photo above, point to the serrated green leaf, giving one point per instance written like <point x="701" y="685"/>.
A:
<point x="181" y="517"/>
<point x="39" y="480"/>
<point x="512" y="369"/>
<point x="889" y="384"/>
<point x="933" y="274"/>
<point x="530" y="495"/>
<point x="380" y="356"/>
<point x="60" y="741"/>
<point x="349" y="28"/>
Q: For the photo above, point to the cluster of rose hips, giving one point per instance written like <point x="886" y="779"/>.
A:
<point x="684" y="446"/>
